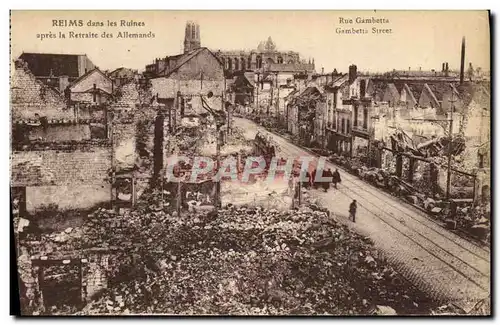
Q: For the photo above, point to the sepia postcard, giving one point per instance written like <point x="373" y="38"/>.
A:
<point x="250" y="163"/>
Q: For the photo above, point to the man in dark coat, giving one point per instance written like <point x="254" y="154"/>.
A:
<point x="336" y="178"/>
<point x="352" y="210"/>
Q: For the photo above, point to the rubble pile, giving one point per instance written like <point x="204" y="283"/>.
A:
<point x="243" y="261"/>
<point x="468" y="219"/>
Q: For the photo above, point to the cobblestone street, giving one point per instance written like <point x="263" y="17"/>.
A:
<point x="437" y="261"/>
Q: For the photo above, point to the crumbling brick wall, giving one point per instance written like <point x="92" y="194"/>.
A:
<point x="53" y="133"/>
<point x="168" y="87"/>
<point x="71" y="176"/>
<point x="135" y="105"/>
<point x="94" y="266"/>
<point x="95" y="274"/>
<point x="30" y="96"/>
<point x="88" y="98"/>
<point x="124" y="145"/>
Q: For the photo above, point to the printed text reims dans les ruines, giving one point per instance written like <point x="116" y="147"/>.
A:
<point x="92" y="23"/>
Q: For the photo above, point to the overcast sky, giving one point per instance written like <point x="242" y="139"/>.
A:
<point x="418" y="39"/>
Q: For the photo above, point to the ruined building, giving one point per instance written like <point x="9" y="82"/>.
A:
<point x="57" y="70"/>
<point x="59" y="155"/>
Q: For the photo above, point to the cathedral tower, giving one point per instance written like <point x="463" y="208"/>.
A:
<point x="192" y="37"/>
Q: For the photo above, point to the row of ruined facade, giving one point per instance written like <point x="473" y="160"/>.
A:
<point x="63" y="105"/>
<point x="352" y="114"/>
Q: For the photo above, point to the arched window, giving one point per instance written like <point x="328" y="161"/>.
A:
<point x="280" y="60"/>
<point x="229" y="64"/>
<point x="243" y="63"/>
<point x="290" y="62"/>
<point x="236" y="64"/>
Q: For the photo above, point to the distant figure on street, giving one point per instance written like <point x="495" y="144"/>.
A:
<point x="453" y="210"/>
<point x="307" y="182"/>
<point x="326" y="185"/>
<point x="336" y="178"/>
<point x="313" y="179"/>
<point x="352" y="210"/>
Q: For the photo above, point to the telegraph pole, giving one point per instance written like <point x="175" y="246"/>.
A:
<point x="272" y="97"/>
<point x="278" y="100"/>
<point x="217" y="153"/>
<point x="258" y="85"/>
<point x="448" y="180"/>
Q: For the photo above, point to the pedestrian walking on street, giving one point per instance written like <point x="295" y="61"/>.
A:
<point x="326" y="185"/>
<point x="336" y="178"/>
<point x="313" y="178"/>
<point x="352" y="210"/>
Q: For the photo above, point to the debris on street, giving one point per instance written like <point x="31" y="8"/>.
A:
<point x="238" y="260"/>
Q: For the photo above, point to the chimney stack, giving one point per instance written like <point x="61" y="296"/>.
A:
<point x="353" y="72"/>
<point x="322" y="70"/>
<point x="443" y="68"/>
<point x="446" y="67"/>
<point x="362" y="86"/>
<point x="462" y="61"/>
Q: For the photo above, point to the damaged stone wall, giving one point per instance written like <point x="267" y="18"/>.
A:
<point x="88" y="97"/>
<point x="74" y="176"/>
<point x="53" y="133"/>
<point x="94" y="268"/>
<point x="124" y="144"/>
<point x="41" y="113"/>
<point x="67" y="196"/>
<point x="30" y="96"/>
<point x="168" y="87"/>
<point x="133" y="124"/>
<point x="95" y="276"/>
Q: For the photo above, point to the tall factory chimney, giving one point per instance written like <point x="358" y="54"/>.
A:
<point x="353" y="73"/>
<point x="462" y="61"/>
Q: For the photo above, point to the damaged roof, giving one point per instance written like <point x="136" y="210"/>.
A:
<point x="440" y="88"/>
<point x="378" y="89"/>
<point x="416" y="89"/>
<point x="95" y="70"/>
<point x="182" y="59"/>
<point x="469" y="91"/>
